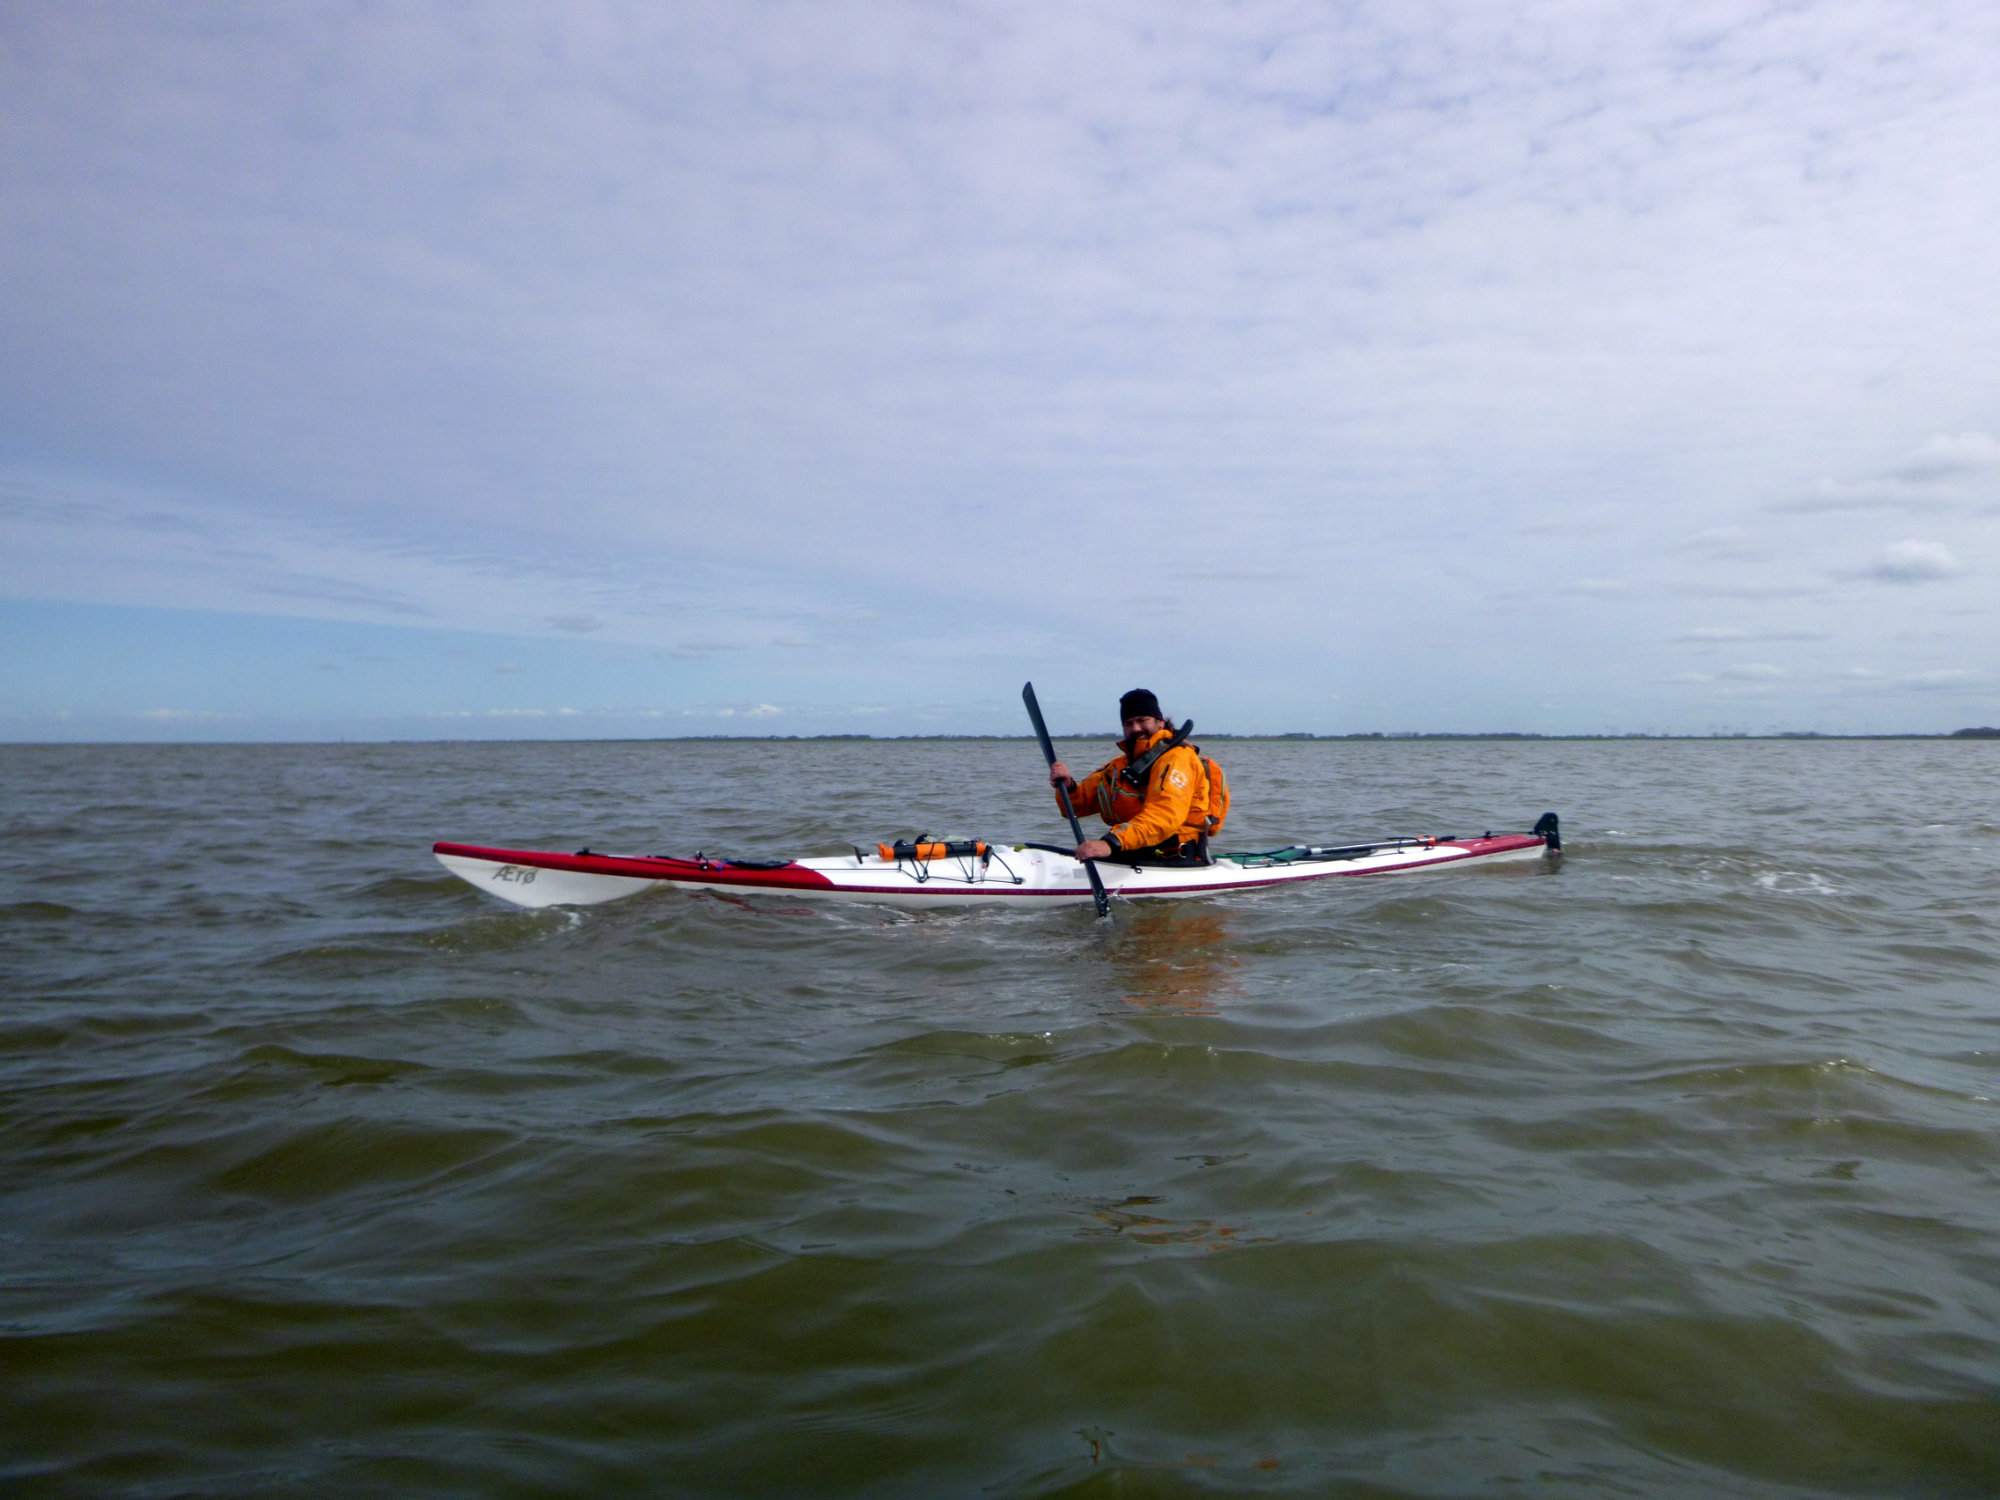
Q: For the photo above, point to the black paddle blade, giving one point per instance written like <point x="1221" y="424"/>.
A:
<point x="1097" y="892"/>
<point x="1035" y="717"/>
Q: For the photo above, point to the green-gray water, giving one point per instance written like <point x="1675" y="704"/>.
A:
<point x="1672" y="1172"/>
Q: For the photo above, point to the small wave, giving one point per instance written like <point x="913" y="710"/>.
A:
<point x="1943" y="956"/>
<point x="1477" y="1033"/>
<point x="33" y="1037"/>
<point x="1007" y="1048"/>
<point x="1777" y="1075"/>
<point x="338" y="960"/>
<point x="1411" y="910"/>
<point x="1797" y="883"/>
<point x="324" y="1160"/>
<point x="482" y="1010"/>
<point x="505" y="930"/>
<point x="35" y="911"/>
<point x="403" y="887"/>
<point x="1129" y="1219"/>
<point x="333" y="1069"/>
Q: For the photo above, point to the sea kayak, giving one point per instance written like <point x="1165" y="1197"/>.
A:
<point x="962" y="874"/>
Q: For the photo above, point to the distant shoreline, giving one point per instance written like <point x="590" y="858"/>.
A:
<point x="1368" y="737"/>
<point x="1503" y="734"/>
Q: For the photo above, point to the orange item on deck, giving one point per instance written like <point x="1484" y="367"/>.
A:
<point x="904" y="849"/>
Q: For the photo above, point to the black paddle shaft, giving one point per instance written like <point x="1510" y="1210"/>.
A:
<point x="1062" y="795"/>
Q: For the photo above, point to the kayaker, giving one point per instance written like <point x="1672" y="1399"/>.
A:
<point x="1157" y="804"/>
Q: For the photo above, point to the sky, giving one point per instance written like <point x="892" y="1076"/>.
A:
<point x="593" y="369"/>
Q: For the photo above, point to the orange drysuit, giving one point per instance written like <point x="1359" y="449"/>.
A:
<point x="1174" y="804"/>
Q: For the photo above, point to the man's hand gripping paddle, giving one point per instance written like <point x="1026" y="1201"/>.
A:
<point x="1062" y="793"/>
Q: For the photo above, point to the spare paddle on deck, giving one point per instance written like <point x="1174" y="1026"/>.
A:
<point x="1062" y="795"/>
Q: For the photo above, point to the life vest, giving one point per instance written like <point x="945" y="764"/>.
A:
<point x="1218" y="792"/>
<point x="1122" y="797"/>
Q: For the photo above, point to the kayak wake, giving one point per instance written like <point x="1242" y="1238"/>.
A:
<point x="935" y="874"/>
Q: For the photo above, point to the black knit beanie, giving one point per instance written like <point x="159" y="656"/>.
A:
<point x="1137" y="704"/>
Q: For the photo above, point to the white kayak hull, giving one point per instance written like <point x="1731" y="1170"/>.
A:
<point x="1021" y="875"/>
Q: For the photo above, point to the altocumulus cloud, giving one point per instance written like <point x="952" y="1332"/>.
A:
<point x="1940" y="475"/>
<point x="702" y="649"/>
<point x="1949" y="458"/>
<point x="1914" y="562"/>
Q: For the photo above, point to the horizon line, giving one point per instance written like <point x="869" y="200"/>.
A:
<point x="1981" y="732"/>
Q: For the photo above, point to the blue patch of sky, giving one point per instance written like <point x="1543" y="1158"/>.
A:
<point x="88" y="671"/>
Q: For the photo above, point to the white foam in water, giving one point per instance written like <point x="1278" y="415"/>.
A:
<point x="1797" y="883"/>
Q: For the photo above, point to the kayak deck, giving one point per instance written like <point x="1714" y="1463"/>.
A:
<point x="1022" y="873"/>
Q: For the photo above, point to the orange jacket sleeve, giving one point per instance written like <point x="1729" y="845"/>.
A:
<point x="1084" y="799"/>
<point x="1170" y="790"/>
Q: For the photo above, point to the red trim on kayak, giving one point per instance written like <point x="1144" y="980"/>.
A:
<point x="648" y="867"/>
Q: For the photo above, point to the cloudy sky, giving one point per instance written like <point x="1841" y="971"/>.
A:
<point x="593" y="368"/>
